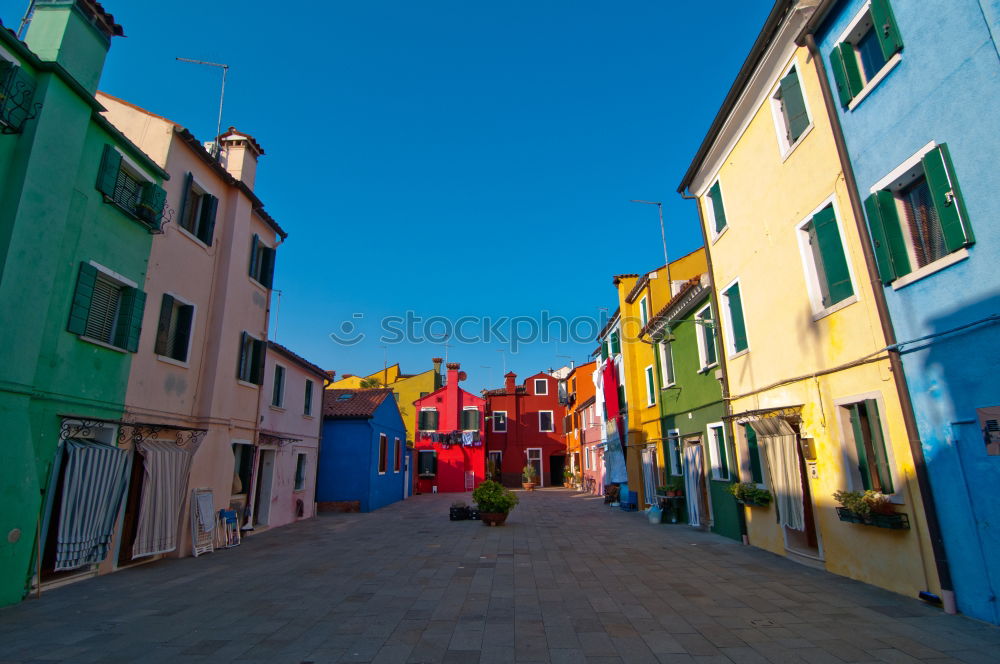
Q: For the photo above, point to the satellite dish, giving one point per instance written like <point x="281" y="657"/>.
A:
<point x="462" y="375"/>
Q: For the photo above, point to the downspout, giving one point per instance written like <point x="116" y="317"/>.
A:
<point x="724" y="383"/>
<point x="895" y="363"/>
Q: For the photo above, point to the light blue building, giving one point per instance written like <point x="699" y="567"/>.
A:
<point x="917" y="87"/>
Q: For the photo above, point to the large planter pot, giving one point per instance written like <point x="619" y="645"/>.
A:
<point x="493" y="518"/>
<point x="528" y="486"/>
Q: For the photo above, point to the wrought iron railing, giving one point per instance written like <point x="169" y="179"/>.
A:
<point x="17" y="93"/>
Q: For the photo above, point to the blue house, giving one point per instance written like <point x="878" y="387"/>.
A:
<point x="363" y="456"/>
<point x="917" y="87"/>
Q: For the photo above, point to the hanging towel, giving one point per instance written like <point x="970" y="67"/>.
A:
<point x="165" y="479"/>
<point x="206" y="511"/>
<point x="467" y="438"/>
<point x="93" y="490"/>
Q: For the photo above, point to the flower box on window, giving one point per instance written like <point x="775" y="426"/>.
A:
<point x="895" y="521"/>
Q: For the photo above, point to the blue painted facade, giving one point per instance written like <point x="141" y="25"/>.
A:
<point x="945" y="88"/>
<point x="348" y="459"/>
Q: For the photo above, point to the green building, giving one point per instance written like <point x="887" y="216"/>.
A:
<point x="697" y="450"/>
<point x="79" y="204"/>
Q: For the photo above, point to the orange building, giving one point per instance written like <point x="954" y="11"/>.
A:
<point x="579" y="386"/>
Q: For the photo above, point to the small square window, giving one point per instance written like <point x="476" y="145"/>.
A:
<point x="866" y="445"/>
<point x="545" y="421"/>
<point x="499" y="421"/>
<point x="824" y="259"/>
<point x="251" y="364"/>
<point x="865" y="50"/>
<point x="104" y="309"/>
<point x="541" y="386"/>
<point x="261" y="262"/>
<point x="198" y="209"/>
<point x="173" y="333"/>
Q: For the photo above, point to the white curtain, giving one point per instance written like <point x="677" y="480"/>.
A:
<point x="166" y="467"/>
<point x="780" y="443"/>
<point x="649" y="475"/>
<point x="693" y="472"/>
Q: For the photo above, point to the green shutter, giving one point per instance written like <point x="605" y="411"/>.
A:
<point x="254" y="255"/>
<point x="859" y="444"/>
<point x="163" y="325"/>
<point x="756" y="473"/>
<point x="720" y="444"/>
<point x="616" y="346"/>
<point x="650" y="385"/>
<point x="708" y="337"/>
<point x="432" y="418"/>
<point x="129" y="326"/>
<point x="243" y="360"/>
<point x="80" y="307"/>
<point x="209" y="208"/>
<point x="185" y="198"/>
<point x="794" y="105"/>
<point x="267" y="256"/>
<point x="831" y="249"/>
<point x="739" y="330"/>
<point x="878" y="445"/>
<point x="885" y="28"/>
<point x="257" y="375"/>
<point x="604" y="349"/>
<point x="947" y="196"/>
<point x="840" y="75"/>
<point x="887" y="236"/>
<point x="718" y="210"/>
<point x="182" y="332"/>
<point x="107" y="176"/>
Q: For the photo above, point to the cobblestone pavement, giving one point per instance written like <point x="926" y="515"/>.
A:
<point x="566" y="580"/>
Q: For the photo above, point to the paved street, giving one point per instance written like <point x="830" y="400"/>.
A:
<point x="556" y="584"/>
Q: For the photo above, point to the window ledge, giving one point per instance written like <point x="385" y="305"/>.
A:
<point x="733" y="356"/>
<point x="246" y="384"/>
<point x="716" y="236"/>
<point x="708" y="368"/>
<point x="166" y="359"/>
<point x="931" y="268"/>
<point x="102" y="344"/>
<point x="259" y="285"/>
<point x="194" y="238"/>
<point x="307" y="416"/>
<point x="823" y="313"/>
<point x="279" y="409"/>
<point x="787" y="152"/>
<point x="872" y="84"/>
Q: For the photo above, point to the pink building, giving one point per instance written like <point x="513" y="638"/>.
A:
<point x="194" y="390"/>
<point x="593" y="451"/>
<point x="450" y="448"/>
<point x="291" y="422"/>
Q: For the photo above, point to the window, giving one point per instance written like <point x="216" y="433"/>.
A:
<point x="494" y="465"/>
<point x="261" y="262"/>
<point x="541" y="386"/>
<point x="307" y="408"/>
<point x="427" y="463"/>
<point x="535" y="459"/>
<point x="278" y="390"/>
<point x="753" y="454"/>
<point x="243" y="467"/>
<point x="251" y="365"/>
<point x="706" y="338"/>
<point x="106" y="309"/>
<point x="197" y="211"/>
<point x="470" y="419"/>
<point x="918" y="217"/>
<point x="719" y="452"/>
<point x="827" y="273"/>
<point x="674" y="453"/>
<point x="383" y="442"/>
<point x="864" y="51"/>
<point x="864" y="430"/>
<point x="615" y="343"/>
<point x="989" y="424"/>
<point x="428" y="419"/>
<point x="499" y="421"/>
<point x="643" y="311"/>
<point x="131" y="192"/>
<point x="788" y="104"/>
<point x="736" y="341"/>
<point x="300" y="472"/>
<point x="715" y="210"/>
<point x="545" y="421"/>
<point x="17" y="90"/>
<point x="173" y="331"/>
<point x="398" y="451"/>
<point x="650" y="386"/>
<point x="666" y="363"/>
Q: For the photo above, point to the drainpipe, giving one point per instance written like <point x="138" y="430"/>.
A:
<point x="724" y="383"/>
<point x="895" y="363"/>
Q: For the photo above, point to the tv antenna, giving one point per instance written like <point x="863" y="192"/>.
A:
<point x="222" y="98"/>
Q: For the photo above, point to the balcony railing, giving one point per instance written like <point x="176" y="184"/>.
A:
<point x="17" y="93"/>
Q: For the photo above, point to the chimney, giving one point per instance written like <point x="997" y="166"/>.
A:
<point x="454" y="394"/>
<point x="437" y="364"/>
<point x="76" y="34"/>
<point x="453" y="368"/>
<point x="238" y="155"/>
<point x="510" y="382"/>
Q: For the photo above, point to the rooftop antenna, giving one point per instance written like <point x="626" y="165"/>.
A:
<point x="385" y="364"/>
<point x="222" y="98"/>
<point x="663" y="233"/>
<point x="277" y="314"/>
<point x="446" y="347"/>
<point x="504" y="356"/>
<point x="26" y="19"/>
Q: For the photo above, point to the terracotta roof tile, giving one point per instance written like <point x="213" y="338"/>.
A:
<point x="353" y="404"/>
<point x="301" y="361"/>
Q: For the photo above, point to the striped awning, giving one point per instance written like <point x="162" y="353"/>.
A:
<point x="93" y="489"/>
<point x="166" y="467"/>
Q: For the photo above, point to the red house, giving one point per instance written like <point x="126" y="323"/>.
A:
<point x="526" y="427"/>
<point x="450" y="448"/>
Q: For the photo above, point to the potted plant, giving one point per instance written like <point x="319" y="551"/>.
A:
<point x="529" y="475"/>
<point x="870" y="508"/>
<point x="748" y="494"/>
<point x="494" y="502"/>
<point x="459" y="511"/>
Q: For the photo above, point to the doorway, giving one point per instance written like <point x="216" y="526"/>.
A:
<point x="805" y="541"/>
<point x="557" y="469"/>
<point x="695" y="485"/>
<point x="265" y="479"/>
<point x="133" y="502"/>
<point x="650" y="474"/>
<point x="535" y="460"/>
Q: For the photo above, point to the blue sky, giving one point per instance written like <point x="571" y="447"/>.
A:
<point x="448" y="158"/>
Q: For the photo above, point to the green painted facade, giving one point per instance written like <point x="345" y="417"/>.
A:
<point x="52" y="220"/>
<point x="693" y="402"/>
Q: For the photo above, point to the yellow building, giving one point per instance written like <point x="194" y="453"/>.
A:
<point x="812" y="404"/>
<point x="639" y="299"/>
<point x="406" y="388"/>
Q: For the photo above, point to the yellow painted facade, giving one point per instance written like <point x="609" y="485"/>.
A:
<point x="768" y="191"/>
<point x="639" y="299"/>
<point x="406" y="388"/>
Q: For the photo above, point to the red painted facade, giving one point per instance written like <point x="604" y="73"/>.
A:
<point x="518" y="408"/>
<point x="456" y="464"/>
